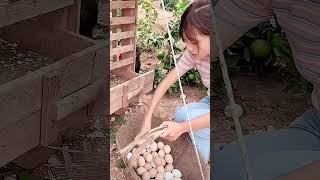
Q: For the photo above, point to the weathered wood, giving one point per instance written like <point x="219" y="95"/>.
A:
<point x="77" y="74"/>
<point x="138" y="90"/>
<point x="123" y="49"/>
<point x="100" y="67"/>
<point x="116" y="92"/>
<point x="122" y="20"/>
<point x="123" y="4"/>
<point x="51" y="92"/>
<point x="123" y="62"/>
<point x="125" y="98"/>
<point x="122" y="35"/>
<point x="73" y="19"/>
<point x="20" y="98"/>
<point x="115" y="105"/>
<point x="130" y="27"/>
<point x="19" y="138"/>
<point x="15" y="11"/>
<point x="78" y="99"/>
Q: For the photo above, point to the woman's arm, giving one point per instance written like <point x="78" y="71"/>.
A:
<point x="175" y="130"/>
<point x="197" y="124"/>
<point x="159" y="93"/>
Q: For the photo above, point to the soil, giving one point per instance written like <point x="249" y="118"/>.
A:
<point x="16" y="62"/>
<point x="116" y="80"/>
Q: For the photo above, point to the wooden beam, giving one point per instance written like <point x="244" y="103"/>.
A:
<point x="78" y="100"/>
<point x="50" y="93"/>
<point x="123" y="49"/>
<point x="13" y="12"/>
<point x="123" y="4"/>
<point x="122" y="20"/>
<point x="122" y="35"/>
<point x="121" y="63"/>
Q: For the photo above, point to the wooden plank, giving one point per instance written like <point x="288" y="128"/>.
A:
<point x="19" y="138"/>
<point x="78" y="99"/>
<point x="122" y="35"/>
<point x="19" y="98"/>
<point x="16" y="11"/>
<point x="130" y="27"/>
<point x="116" y="92"/>
<point x="123" y="4"/>
<point x="51" y="92"/>
<point x="122" y="20"/>
<point x="77" y="74"/>
<point x="123" y="49"/>
<point x="148" y="88"/>
<point x="121" y="63"/>
<point x="149" y="76"/>
<point x="100" y="67"/>
<point x="73" y="18"/>
<point x="115" y="105"/>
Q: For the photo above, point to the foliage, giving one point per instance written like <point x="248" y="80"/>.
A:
<point x="265" y="50"/>
<point x="170" y="5"/>
<point x="148" y="39"/>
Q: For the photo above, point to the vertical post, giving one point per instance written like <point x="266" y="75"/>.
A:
<point x="50" y="93"/>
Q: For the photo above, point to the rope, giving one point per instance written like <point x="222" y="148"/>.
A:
<point x="182" y="94"/>
<point x="233" y="110"/>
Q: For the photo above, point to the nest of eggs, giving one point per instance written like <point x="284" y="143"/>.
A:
<point x="154" y="162"/>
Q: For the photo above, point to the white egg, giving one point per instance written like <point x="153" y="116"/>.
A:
<point x="153" y="172"/>
<point x="147" y="166"/>
<point x="158" y="161"/>
<point x="146" y="176"/>
<point x="161" y="153"/>
<point x="168" y="168"/>
<point x="163" y="162"/>
<point x="129" y="155"/>
<point x="154" y="154"/>
<point x="159" y="176"/>
<point x="168" y="175"/>
<point x="141" y="170"/>
<point x="141" y="161"/>
<point x="168" y="158"/>
<point x="153" y="164"/>
<point x="148" y="157"/>
<point x="160" y="145"/>
<point x="154" y="147"/>
<point x="176" y="178"/>
<point x="176" y="173"/>
<point x="160" y="169"/>
<point x="167" y="149"/>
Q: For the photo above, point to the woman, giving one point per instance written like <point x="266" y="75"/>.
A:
<point x="194" y="29"/>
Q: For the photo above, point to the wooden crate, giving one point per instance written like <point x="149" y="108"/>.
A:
<point x="123" y="34"/>
<point x="12" y="11"/>
<point x="34" y="106"/>
<point x="127" y="92"/>
<point x="123" y="22"/>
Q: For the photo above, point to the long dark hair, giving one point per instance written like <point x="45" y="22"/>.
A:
<point x="196" y="17"/>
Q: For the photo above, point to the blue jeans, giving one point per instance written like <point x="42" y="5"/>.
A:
<point x="273" y="153"/>
<point x="202" y="136"/>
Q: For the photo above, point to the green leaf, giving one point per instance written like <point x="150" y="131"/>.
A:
<point x="232" y="61"/>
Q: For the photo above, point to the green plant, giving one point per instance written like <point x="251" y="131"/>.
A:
<point x="265" y="50"/>
<point x="170" y="5"/>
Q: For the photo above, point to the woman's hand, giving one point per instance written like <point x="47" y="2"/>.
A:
<point x="174" y="131"/>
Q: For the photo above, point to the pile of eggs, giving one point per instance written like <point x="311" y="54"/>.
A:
<point x="156" y="162"/>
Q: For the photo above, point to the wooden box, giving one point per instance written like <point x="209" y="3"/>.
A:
<point x="33" y="105"/>
<point x="123" y="94"/>
<point x="12" y="11"/>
